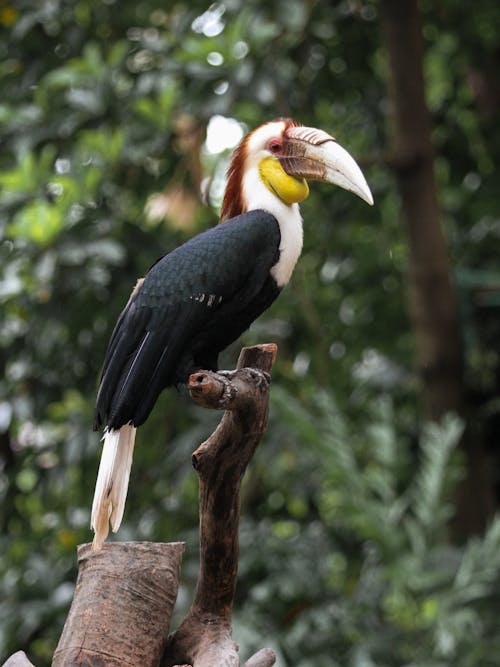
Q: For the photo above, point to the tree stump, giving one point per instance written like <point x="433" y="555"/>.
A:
<point x="121" y="609"/>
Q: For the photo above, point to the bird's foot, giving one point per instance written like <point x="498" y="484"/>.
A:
<point x="262" y="377"/>
<point x="259" y="376"/>
<point x="229" y="375"/>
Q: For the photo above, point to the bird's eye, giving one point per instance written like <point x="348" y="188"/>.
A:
<point x="275" y="145"/>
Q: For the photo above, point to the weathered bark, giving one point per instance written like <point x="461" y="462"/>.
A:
<point x="432" y="299"/>
<point x="120" y="614"/>
<point x="204" y="637"/>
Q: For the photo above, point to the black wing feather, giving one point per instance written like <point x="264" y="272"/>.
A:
<point x="184" y="310"/>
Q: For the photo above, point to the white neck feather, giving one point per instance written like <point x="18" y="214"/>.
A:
<point x="257" y="196"/>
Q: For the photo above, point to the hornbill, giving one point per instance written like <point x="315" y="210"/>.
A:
<point x="200" y="297"/>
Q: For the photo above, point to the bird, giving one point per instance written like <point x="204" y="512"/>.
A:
<point x="201" y="296"/>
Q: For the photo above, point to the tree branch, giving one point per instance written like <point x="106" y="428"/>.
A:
<point x="204" y="637"/>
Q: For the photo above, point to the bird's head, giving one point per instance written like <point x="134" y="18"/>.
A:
<point x="271" y="166"/>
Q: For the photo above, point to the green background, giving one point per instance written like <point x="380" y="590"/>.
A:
<point x="345" y="554"/>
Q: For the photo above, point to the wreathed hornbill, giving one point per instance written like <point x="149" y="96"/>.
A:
<point x="200" y="297"/>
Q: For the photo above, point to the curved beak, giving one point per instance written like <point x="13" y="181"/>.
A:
<point x="313" y="154"/>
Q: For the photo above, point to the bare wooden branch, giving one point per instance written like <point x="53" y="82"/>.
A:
<point x="204" y="637"/>
<point x="120" y="614"/>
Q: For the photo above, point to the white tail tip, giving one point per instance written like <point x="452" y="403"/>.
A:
<point x="112" y="482"/>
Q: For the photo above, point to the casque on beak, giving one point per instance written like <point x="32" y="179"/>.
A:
<point x="315" y="155"/>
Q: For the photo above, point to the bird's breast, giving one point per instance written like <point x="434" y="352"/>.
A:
<point x="290" y="245"/>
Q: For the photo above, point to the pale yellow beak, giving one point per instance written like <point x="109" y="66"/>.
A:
<point x="315" y="155"/>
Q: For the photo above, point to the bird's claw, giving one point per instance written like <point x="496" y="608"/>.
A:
<point x="261" y="377"/>
<point x="229" y="375"/>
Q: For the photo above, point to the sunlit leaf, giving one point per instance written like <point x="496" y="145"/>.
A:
<point x="39" y="222"/>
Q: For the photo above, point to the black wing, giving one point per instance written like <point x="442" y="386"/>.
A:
<point x="189" y="292"/>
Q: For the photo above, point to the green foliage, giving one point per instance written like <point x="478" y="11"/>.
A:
<point x="344" y="558"/>
<point x="372" y="579"/>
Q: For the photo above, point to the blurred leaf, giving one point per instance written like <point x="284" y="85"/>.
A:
<point x="39" y="222"/>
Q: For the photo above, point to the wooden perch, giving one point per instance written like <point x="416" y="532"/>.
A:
<point x="125" y="593"/>
<point x="204" y="637"/>
<point x="120" y="614"/>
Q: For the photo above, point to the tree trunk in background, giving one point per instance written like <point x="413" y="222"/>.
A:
<point x="432" y="299"/>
